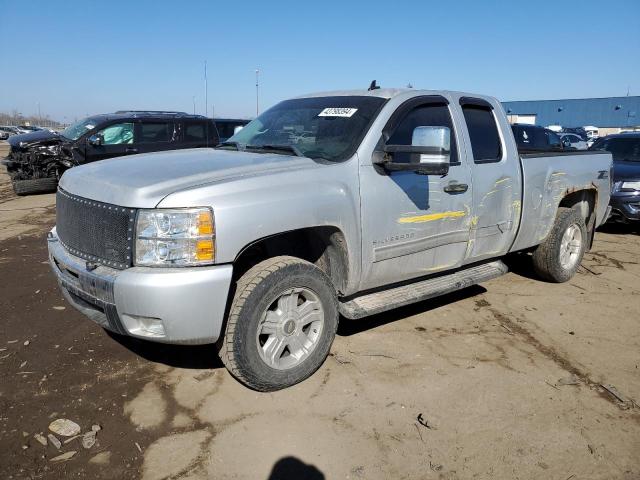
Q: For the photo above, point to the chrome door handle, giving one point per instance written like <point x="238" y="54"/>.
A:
<point x="455" y="187"/>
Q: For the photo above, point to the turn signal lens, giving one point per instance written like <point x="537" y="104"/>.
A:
<point x="205" y="223"/>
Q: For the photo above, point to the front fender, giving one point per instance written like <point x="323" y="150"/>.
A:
<point x="251" y="208"/>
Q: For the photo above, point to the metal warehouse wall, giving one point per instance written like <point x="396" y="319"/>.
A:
<point x="599" y="112"/>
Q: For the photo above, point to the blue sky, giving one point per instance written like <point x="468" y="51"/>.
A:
<point x="79" y="57"/>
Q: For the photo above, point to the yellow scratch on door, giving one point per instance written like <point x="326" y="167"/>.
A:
<point x="432" y="216"/>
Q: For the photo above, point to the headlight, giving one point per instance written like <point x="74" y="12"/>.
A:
<point x="175" y="237"/>
<point x="630" y="186"/>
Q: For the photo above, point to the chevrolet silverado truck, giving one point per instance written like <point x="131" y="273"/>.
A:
<point x="342" y="204"/>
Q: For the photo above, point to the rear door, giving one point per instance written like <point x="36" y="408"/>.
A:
<point x="198" y="133"/>
<point x="117" y="139"/>
<point x="496" y="179"/>
<point x="154" y="135"/>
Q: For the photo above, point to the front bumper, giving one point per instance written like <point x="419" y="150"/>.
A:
<point x="169" y="305"/>
<point x="625" y="207"/>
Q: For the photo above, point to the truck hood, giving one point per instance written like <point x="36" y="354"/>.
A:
<point x="142" y="181"/>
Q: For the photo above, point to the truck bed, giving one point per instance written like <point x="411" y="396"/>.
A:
<point x="548" y="178"/>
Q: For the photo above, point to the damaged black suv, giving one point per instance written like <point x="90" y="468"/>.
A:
<point x="37" y="160"/>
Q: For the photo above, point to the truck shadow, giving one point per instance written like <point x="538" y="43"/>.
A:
<point x="521" y="264"/>
<point x="620" y="228"/>
<point x="347" y="327"/>
<point x="179" y="356"/>
<point x="291" y="468"/>
<point x="204" y="356"/>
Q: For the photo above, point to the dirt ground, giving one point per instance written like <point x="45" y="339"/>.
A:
<point x="499" y="381"/>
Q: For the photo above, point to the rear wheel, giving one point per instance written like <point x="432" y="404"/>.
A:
<point x="281" y="324"/>
<point x="35" y="185"/>
<point x="557" y="259"/>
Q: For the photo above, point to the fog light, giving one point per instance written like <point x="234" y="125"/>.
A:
<point x="143" y="326"/>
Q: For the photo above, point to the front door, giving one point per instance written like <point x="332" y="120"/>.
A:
<point x="115" y="140"/>
<point x="413" y="224"/>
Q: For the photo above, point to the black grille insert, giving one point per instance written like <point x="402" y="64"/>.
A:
<point x="95" y="231"/>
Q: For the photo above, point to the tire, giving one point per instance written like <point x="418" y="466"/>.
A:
<point x="549" y="259"/>
<point x="35" y="185"/>
<point x="264" y="296"/>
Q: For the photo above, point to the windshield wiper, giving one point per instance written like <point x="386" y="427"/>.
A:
<point x="281" y="148"/>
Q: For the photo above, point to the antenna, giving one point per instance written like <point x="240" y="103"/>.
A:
<point x="373" y="86"/>
<point x="257" y="89"/>
<point x="206" y="91"/>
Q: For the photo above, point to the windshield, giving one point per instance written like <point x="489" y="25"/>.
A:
<point x="324" y="127"/>
<point x="76" y="130"/>
<point x="622" y="149"/>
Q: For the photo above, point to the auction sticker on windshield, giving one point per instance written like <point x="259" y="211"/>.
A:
<point x="337" y="112"/>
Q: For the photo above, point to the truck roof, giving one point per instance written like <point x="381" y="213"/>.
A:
<point x="389" y="93"/>
<point x="151" y="114"/>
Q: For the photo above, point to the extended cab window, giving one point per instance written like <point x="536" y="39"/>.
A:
<point x="483" y="132"/>
<point x="430" y="115"/>
<point x="155" y="132"/>
<point x="118" y="134"/>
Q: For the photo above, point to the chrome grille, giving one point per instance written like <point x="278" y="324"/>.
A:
<point x="95" y="231"/>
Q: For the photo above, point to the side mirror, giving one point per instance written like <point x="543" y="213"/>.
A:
<point x="430" y="151"/>
<point x="96" y="140"/>
<point x="237" y="129"/>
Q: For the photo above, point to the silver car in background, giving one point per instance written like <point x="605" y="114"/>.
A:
<point x="572" y="141"/>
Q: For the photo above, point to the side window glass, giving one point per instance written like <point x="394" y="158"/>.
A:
<point x="553" y="140"/>
<point x="432" y="115"/>
<point x="155" y="132"/>
<point x="195" y="132"/>
<point x="118" y="134"/>
<point x="483" y="132"/>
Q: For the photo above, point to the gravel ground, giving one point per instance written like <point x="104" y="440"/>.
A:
<point x="502" y="380"/>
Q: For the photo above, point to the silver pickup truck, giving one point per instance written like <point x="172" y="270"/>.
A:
<point x="345" y="203"/>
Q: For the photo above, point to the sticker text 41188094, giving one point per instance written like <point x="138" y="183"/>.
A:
<point x="337" y="112"/>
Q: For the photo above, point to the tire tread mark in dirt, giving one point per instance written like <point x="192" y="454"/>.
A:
<point x="600" y="257"/>
<point x="547" y="351"/>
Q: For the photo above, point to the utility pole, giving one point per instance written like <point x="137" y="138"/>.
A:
<point x="194" y="104"/>
<point x="206" y="91"/>
<point x="257" y="93"/>
<point x="40" y="116"/>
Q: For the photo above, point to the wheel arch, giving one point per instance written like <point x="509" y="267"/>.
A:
<point x="585" y="201"/>
<point x="324" y="246"/>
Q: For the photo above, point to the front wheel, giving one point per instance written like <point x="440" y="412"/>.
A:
<point x="557" y="259"/>
<point x="281" y="324"/>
